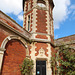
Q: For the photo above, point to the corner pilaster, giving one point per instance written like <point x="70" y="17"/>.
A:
<point x="1" y="57"/>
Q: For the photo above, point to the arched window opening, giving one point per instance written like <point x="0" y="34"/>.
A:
<point x="41" y="3"/>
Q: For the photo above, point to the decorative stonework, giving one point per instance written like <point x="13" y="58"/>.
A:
<point x="41" y="52"/>
<point x="1" y="56"/>
<point x="34" y="3"/>
<point x="49" y="71"/>
<point x="32" y="55"/>
<point x="41" y="56"/>
<point x="17" y="38"/>
<point x="47" y="3"/>
<point x="34" y="23"/>
<point x="10" y="38"/>
<point x="48" y="25"/>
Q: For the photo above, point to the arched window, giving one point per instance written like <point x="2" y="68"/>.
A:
<point x="41" y="3"/>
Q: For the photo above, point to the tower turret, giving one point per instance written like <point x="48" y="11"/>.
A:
<point x="38" y="20"/>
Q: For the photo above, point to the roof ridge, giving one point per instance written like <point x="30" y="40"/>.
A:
<point x="65" y="36"/>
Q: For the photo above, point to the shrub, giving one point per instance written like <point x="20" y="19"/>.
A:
<point x="26" y="67"/>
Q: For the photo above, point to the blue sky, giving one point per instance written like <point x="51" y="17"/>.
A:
<point x="67" y="26"/>
<point x="63" y="14"/>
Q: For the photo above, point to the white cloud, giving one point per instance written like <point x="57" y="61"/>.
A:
<point x="20" y="17"/>
<point x="11" y="6"/>
<point x="60" y="12"/>
<point x="15" y="7"/>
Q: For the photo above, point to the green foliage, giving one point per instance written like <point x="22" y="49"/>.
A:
<point x="53" y="63"/>
<point x="26" y="67"/>
<point x="66" y="59"/>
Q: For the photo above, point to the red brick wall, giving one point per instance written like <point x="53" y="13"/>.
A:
<point x="42" y="36"/>
<point x="41" y="21"/>
<point x="3" y="34"/>
<point x="13" y="57"/>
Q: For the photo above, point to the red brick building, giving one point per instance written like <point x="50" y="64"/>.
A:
<point x="68" y="40"/>
<point x="34" y="40"/>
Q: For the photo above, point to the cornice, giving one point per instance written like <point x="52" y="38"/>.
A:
<point x="39" y="33"/>
<point x="15" y="31"/>
<point x="1" y="49"/>
<point x="42" y="41"/>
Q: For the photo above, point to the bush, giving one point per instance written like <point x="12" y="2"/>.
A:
<point x="26" y="67"/>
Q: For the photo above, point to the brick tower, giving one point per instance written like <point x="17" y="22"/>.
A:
<point x="38" y="20"/>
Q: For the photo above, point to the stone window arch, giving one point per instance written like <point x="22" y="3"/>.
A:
<point x="41" y="3"/>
